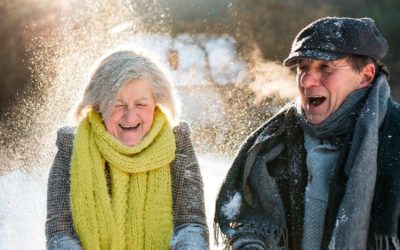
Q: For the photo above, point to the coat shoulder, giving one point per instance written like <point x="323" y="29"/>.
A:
<point x="393" y="117"/>
<point x="182" y="129"/>
<point x="390" y="135"/>
<point x="182" y="137"/>
<point x="394" y="109"/>
<point x="65" y="137"/>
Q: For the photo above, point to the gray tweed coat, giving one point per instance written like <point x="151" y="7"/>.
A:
<point x="190" y="226"/>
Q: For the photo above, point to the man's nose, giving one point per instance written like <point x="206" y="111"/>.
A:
<point x="309" y="79"/>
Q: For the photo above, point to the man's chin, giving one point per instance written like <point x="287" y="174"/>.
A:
<point x="315" y="119"/>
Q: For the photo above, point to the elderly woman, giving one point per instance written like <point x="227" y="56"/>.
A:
<point x="125" y="178"/>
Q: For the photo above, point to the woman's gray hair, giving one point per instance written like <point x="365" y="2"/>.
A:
<point x="116" y="69"/>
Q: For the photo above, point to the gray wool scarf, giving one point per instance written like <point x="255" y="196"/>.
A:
<point x="353" y="218"/>
<point x="352" y="221"/>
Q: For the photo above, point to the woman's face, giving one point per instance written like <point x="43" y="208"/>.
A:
<point x="132" y="115"/>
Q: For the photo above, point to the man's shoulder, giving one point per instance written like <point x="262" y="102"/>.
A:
<point x="389" y="136"/>
<point x="390" y="130"/>
<point x="272" y="127"/>
<point x="394" y="105"/>
<point x="393" y="114"/>
<point x="276" y="122"/>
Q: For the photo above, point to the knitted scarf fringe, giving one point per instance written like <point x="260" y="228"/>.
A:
<point x="383" y="242"/>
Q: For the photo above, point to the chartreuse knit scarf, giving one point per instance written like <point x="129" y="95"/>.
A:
<point x="137" y="214"/>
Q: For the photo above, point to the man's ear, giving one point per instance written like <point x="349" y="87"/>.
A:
<point x="368" y="73"/>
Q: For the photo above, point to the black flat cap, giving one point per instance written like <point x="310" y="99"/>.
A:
<point x="333" y="38"/>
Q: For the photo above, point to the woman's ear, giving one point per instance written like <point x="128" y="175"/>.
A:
<point x="368" y="73"/>
<point x="96" y="108"/>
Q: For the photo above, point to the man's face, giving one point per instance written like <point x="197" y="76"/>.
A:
<point x="324" y="85"/>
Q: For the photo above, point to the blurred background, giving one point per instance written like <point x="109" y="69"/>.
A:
<point x="268" y="24"/>
<point x="46" y="43"/>
<point x="224" y="57"/>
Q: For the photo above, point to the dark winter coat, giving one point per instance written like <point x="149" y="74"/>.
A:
<point x="291" y="180"/>
<point x="190" y="226"/>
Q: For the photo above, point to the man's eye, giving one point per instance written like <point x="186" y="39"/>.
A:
<point x="302" y="68"/>
<point x="327" y="69"/>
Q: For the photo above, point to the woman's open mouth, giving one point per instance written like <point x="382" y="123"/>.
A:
<point x="315" y="101"/>
<point x="124" y="127"/>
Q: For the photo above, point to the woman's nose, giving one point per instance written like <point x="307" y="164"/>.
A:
<point x="130" y="115"/>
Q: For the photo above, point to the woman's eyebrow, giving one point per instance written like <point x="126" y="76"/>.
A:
<point x="143" y="98"/>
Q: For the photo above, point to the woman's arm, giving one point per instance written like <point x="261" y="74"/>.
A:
<point x="60" y="233"/>
<point x="191" y="231"/>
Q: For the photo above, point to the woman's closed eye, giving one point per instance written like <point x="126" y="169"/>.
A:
<point x="120" y="105"/>
<point x="141" y="105"/>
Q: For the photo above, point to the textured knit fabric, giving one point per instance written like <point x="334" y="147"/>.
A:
<point x="288" y="170"/>
<point x="321" y="158"/>
<point x="139" y="212"/>
<point x="187" y="194"/>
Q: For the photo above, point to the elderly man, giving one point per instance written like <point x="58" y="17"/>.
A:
<point x="324" y="171"/>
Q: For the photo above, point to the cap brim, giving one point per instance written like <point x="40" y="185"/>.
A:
<point x="313" y="54"/>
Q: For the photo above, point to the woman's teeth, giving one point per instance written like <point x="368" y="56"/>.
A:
<point x="130" y="127"/>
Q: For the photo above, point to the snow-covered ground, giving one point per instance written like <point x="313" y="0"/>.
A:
<point x="23" y="209"/>
<point x="23" y="203"/>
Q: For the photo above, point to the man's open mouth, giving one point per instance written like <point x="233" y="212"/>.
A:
<point x="315" y="101"/>
<point x="133" y="127"/>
